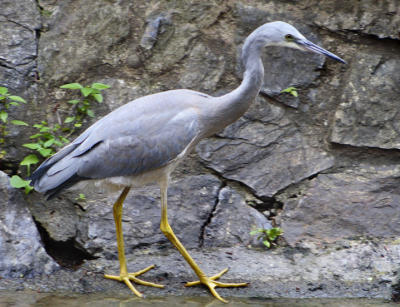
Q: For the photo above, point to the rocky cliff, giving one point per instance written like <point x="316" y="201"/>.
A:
<point x="323" y="166"/>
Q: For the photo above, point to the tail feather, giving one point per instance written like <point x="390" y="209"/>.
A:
<point x="45" y="166"/>
<point x="60" y="171"/>
<point x="45" y="181"/>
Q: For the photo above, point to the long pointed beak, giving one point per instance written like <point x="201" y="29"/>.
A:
<point x="307" y="45"/>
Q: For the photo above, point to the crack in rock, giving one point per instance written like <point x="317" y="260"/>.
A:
<point x="211" y="215"/>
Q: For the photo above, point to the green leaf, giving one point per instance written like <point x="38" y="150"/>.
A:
<point x="100" y="86"/>
<point x="72" y="86"/>
<point x="28" y="188"/>
<point x="74" y="101"/>
<point x="254" y="232"/>
<point x="69" y="119"/>
<point x="19" y="123"/>
<point x="45" y="152"/>
<point x="78" y="125"/>
<point x="33" y="146"/>
<point x="35" y="136"/>
<point x="65" y="140"/>
<point x="30" y="159"/>
<point x="90" y="113"/>
<point x="17" y="182"/>
<point x="291" y="90"/>
<point x="48" y="143"/>
<point x="267" y="243"/>
<point x="44" y="129"/>
<point x="98" y="97"/>
<point x="13" y="103"/>
<point x="17" y="98"/>
<point x="86" y="91"/>
<point x="3" y="116"/>
<point x="81" y="197"/>
<point x="3" y="90"/>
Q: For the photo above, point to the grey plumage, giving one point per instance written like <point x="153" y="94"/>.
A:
<point x="144" y="140"/>
<point x="137" y="137"/>
<point x="150" y="132"/>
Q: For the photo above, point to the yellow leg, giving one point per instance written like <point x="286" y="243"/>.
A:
<point x="124" y="275"/>
<point x="210" y="282"/>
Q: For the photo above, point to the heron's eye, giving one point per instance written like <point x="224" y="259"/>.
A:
<point x="289" y="37"/>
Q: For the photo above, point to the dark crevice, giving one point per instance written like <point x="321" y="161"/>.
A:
<point x="357" y="36"/>
<point x="272" y="206"/>
<point x="227" y="181"/>
<point x="396" y="289"/>
<point x="78" y="205"/>
<point x="210" y="216"/>
<point x="366" y="149"/>
<point x="263" y="204"/>
<point x="68" y="254"/>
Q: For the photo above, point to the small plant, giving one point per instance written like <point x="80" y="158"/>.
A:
<point x="268" y="236"/>
<point x="81" y="197"/>
<point x="6" y="101"/>
<point x="291" y="90"/>
<point x="18" y="183"/>
<point x="82" y="107"/>
<point x="49" y="139"/>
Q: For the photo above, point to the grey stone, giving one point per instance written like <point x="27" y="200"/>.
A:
<point x="361" y="270"/>
<point x="203" y="70"/>
<point x="61" y="218"/>
<point x="172" y="48"/>
<point x="346" y="205"/>
<point x="21" y="251"/>
<point x="362" y="16"/>
<point x="18" y="43"/>
<point x="366" y="115"/>
<point x="232" y="221"/>
<point x="155" y="26"/>
<point x="88" y="36"/>
<point x="267" y="155"/>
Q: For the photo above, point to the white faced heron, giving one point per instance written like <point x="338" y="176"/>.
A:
<point x="144" y="140"/>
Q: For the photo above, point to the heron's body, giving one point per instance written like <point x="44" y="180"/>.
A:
<point x="143" y="140"/>
<point x="152" y="135"/>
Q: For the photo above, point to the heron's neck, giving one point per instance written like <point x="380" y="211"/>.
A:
<point x="234" y="104"/>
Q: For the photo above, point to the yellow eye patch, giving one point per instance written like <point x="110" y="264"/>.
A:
<point x="289" y="37"/>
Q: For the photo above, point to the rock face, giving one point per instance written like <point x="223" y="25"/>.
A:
<point x="323" y="165"/>
<point x="365" y="117"/>
<point x="21" y="250"/>
<point x="19" y="26"/>
<point x="352" y="204"/>
<point x="264" y="151"/>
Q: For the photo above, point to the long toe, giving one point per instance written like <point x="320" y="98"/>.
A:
<point x="128" y="277"/>
<point x="211" y="283"/>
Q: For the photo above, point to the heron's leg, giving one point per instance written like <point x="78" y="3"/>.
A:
<point x="124" y="275"/>
<point x="210" y="282"/>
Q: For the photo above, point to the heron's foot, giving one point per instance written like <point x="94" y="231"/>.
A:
<point x="128" y="277"/>
<point x="211" y="283"/>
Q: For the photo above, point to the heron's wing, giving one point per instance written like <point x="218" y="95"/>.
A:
<point x="154" y="146"/>
<point x="145" y="134"/>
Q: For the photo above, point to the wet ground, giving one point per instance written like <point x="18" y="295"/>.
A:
<point x="31" y="298"/>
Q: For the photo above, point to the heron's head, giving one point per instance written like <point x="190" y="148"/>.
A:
<point x="279" y="33"/>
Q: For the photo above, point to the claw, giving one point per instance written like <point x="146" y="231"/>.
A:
<point x="128" y="277"/>
<point x="211" y="283"/>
